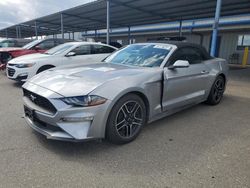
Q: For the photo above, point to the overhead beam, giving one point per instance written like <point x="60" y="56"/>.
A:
<point x="152" y="13"/>
<point x="59" y="25"/>
<point x="42" y="29"/>
<point x="92" y="19"/>
<point x="186" y="10"/>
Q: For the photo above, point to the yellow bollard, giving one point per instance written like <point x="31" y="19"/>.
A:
<point x="245" y="57"/>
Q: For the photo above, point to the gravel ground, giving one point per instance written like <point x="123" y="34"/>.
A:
<point x="203" y="146"/>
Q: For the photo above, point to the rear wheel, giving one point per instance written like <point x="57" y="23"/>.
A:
<point x="217" y="91"/>
<point x="44" y="68"/>
<point x="126" y="119"/>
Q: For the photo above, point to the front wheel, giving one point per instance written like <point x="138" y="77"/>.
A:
<point x="217" y="91"/>
<point x="126" y="119"/>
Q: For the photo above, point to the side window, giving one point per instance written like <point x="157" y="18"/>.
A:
<point x="5" y="44"/>
<point x="193" y="55"/>
<point x="82" y="50"/>
<point x="190" y="54"/>
<point x="46" y="45"/>
<point x="11" y="43"/>
<point x="100" y="49"/>
<point x="177" y="55"/>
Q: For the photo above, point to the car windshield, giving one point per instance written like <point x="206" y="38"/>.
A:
<point x="143" y="55"/>
<point x="59" y="49"/>
<point x="31" y="44"/>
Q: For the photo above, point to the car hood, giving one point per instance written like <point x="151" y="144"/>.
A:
<point x="10" y="49"/>
<point x="28" y="58"/>
<point x="82" y="80"/>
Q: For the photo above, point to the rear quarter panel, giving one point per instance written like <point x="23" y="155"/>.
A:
<point x="217" y="66"/>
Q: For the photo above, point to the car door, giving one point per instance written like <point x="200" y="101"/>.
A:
<point x="101" y="51"/>
<point x="185" y="86"/>
<point x="82" y="54"/>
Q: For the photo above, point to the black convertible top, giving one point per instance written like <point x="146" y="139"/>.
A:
<point x="180" y="44"/>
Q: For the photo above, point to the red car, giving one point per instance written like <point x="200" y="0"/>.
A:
<point x="37" y="46"/>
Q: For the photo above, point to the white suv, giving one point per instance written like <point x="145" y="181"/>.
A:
<point x="24" y="67"/>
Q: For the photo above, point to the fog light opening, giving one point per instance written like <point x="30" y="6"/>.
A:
<point x="76" y="119"/>
<point x="23" y="74"/>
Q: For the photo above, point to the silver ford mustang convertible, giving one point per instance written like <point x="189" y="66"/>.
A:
<point x="116" y="98"/>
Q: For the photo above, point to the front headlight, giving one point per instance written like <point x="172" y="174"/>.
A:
<point x="26" y="65"/>
<point x="87" y="100"/>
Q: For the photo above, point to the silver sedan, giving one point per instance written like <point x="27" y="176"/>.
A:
<point x="115" y="99"/>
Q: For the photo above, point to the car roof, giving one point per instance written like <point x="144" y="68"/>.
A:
<point x="180" y="44"/>
<point x="85" y="42"/>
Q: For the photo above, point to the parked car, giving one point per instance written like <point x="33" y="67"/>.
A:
<point x="115" y="44"/>
<point x="25" y="67"/>
<point x="37" y="46"/>
<point x="6" y="43"/>
<point x="137" y="84"/>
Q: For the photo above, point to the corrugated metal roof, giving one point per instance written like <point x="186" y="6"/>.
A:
<point x="124" y="13"/>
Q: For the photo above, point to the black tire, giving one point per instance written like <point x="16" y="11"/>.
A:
<point x="126" y="119"/>
<point x="217" y="91"/>
<point x="44" y="68"/>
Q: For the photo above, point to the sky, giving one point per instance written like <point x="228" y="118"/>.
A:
<point x="17" y="11"/>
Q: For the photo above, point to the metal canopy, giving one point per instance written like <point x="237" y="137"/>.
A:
<point x="123" y="13"/>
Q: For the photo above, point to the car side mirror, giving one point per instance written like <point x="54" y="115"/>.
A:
<point x="179" y="64"/>
<point x="71" y="54"/>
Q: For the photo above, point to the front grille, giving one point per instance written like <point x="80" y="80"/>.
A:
<point x="11" y="72"/>
<point x="40" y="101"/>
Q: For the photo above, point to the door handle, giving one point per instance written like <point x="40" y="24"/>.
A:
<point x="204" y="72"/>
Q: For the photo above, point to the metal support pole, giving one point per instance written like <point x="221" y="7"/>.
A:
<point x="16" y="32"/>
<point x="95" y="35"/>
<point x="180" y="29"/>
<point x="215" y="27"/>
<point x="129" y="35"/>
<point x="62" y="31"/>
<point x="192" y="27"/>
<point x="73" y="35"/>
<point x="6" y="33"/>
<point x="108" y="22"/>
<point x="19" y="29"/>
<point x="36" y="32"/>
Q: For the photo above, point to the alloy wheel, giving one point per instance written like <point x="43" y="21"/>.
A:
<point x="129" y="119"/>
<point x="219" y="87"/>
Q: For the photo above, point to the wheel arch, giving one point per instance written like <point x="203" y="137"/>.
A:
<point x="137" y="92"/>
<point x="144" y="98"/>
<point x="223" y="76"/>
<point x="44" y="66"/>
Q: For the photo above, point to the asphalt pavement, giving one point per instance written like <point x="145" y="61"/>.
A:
<point x="204" y="146"/>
